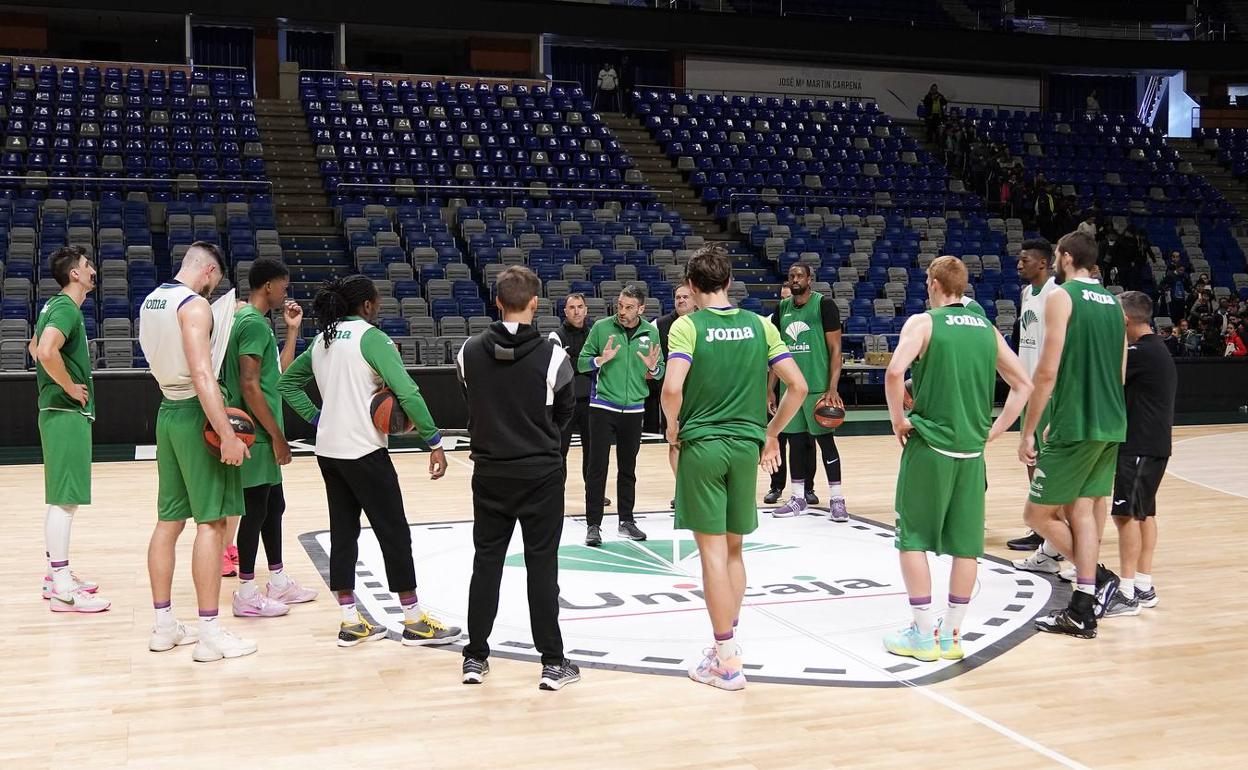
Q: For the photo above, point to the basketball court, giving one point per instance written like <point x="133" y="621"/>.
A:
<point x="822" y="694"/>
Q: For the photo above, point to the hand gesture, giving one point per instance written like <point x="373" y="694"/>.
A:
<point x="292" y="312"/>
<point x="437" y="464"/>
<point x="234" y="451"/>
<point x="651" y="358"/>
<point x="79" y="393"/>
<point x="608" y="351"/>
<point x="769" y="460"/>
<point x="902" y="430"/>
<point x="1027" y="449"/>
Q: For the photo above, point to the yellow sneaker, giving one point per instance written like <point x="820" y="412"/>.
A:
<point x="351" y="634"/>
<point x="950" y="644"/>
<point x="429" y="630"/>
<point x="912" y="644"/>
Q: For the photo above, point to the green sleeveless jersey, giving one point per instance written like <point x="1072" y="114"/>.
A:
<point x="953" y="382"/>
<point x="802" y="330"/>
<point x="1088" y="403"/>
<point x="729" y="351"/>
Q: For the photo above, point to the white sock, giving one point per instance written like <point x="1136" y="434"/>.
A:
<point x="1127" y="586"/>
<point x="835" y="489"/>
<point x="1143" y="582"/>
<point x="277" y="578"/>
<point x="797" y="488"/>
<point x="411" y="612"/>
<point x="247" y="588"/>
<point x="165" y="618"/>
<point x="923" y="617"/>
<point x="955" y="616"/>
<point x="1087" y="588"/>
<point x="1049" y="550"/>
<point x="725" y="648"/>
<point x="349" y="615"/>
<point x="56" y="527"/>
<point x="208" y="626"/>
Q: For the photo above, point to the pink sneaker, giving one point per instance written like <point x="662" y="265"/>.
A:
<point x="232" y="552"/>
<point x="258" y="606"/>
<point x="293" y="593"/>
<point x="228" y="567"/>
<point x="80" y="584"/>
<point x="724" y="674"/>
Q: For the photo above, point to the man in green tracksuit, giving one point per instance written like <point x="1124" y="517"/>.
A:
<point x="623" y="351"/>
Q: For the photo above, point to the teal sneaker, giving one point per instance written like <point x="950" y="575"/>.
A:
<point x="911" y="644"/>
<point x="950" y="643"/>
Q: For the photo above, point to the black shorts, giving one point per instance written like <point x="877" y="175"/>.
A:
<point x="1136" y="483"/>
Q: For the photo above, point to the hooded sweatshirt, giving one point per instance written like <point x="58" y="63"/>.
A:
<point x="520" y="396"/>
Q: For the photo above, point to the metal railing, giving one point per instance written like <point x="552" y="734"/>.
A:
<point x="747" y="93"/>
<point x="183" y="180"/>
<point x="474" y="79"/>
<point x="815" y="198"/>
<point x="431" y="190"/>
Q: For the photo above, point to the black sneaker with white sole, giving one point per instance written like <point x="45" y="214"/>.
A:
<point x="1120" y="605"/>
<point x="1106" y="586"/>
<point x="1147" y="598"/>
<point x="811" y="497"/>
<point x="593" y="536"/>
<point x="628" y="530"/>
<point x="475" y="670"/>
<point x="773" y="496"/>
<point x="1078" y="620"/>
<point x="1029" y="542"/>
<point x="558" y="676"/>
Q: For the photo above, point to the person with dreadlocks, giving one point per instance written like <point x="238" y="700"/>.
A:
<point x="350" y="359"/>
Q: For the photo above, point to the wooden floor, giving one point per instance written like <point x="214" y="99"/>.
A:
<point x="1163" y="690"/>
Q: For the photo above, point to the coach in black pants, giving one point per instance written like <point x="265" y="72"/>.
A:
<point x="572" y="334"/>
<point x="520" y="396"/>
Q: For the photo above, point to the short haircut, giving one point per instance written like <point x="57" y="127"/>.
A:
<point x="1039" y="245"/>
<point x="1137" y="306"/>
<point x="574" y="295"/>
<point x="634" y="292"/>
<point x="517" y="286"/>
<point x="950" y="274"/>
<point x="266" y="269"/>
<point x="1081" y="248"/>
<point x="709" y="269"/>
<point x="64" y="260"/>
<point x="804" y="267"/>
<point x="213" y="251"/>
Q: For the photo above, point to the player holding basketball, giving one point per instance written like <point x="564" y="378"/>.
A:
<point x="956" y="355"/>
<point x="251" y="370"/>
<point x="1082" y="367"/>
<point x="66" y="411"/>
<point x="715" y="381"/>
<point x="176" y="327"/>
<point x="810" y="324"/>
<point x="350" y="359"/>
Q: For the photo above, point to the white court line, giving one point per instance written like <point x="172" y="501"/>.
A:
<point x="1190" y="480"/>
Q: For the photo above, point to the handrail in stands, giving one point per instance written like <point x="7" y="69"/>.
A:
<point x="806" y="199"/>
<point x="777" y="94"/>
<point x="185" y="180"/>
<point x="572" y="192"/>
<point x="429" y="76"/>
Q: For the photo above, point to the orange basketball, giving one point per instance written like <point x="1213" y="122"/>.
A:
<point x="387" y="413"/>
<point x="827" y="415"/>
<point x="243" y="427"/>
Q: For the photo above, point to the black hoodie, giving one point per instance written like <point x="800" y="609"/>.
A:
<point x="520" y="397"/>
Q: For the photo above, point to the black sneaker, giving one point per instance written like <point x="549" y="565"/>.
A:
<point x="1077" y="620"/>
<point x="475" y="670"/>
<point x="558" y="676"/>
<point x="1120" y="605"/>
<point x="811" y="497"/>
<point x="1146" y="598"/>
<point x="1106" y="586"/>
<point x="593" y="535"/>
<point x="1029" y="542"/>
<point x="628" y="529"/>
<point x="773" y="496"/>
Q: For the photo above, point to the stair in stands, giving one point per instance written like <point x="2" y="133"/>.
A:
<point x="916" y="129"/>
<point x="1205" y="163"/>
<point x="661" y="174"/>
<point x="290" y="161"/>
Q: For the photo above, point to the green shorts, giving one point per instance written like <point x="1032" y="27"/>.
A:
<point x="261" y="469"/>
<point x="716" y="482"/>
<point x="804" y="420"/>
<point x="1044" y="423"/>
<point x="192" y="483"/>
<point x="1067" y="471"/>
<point x="66" y="439"/>
<point x="940" y="501"/>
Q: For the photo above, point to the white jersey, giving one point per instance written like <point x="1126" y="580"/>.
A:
<point x="1031" y="324"/>
<point x="347" y="383"/>
<point x="160" y="337"/>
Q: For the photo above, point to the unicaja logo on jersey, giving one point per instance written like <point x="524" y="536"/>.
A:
<point x="1028" y="318"/>
<point x="713" y="335"/>
<point x="795" y="330"/>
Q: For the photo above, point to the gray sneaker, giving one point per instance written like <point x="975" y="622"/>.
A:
<point x="593" y="536"/>
<point x="837" y="511"/>
<point x="796" y="506"/>
<point x="1120" y="605"/>
<point x="628" y="530"/>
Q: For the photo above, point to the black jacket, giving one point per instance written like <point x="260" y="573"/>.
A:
<point x="519" y="391"/>
<point x="664" y="325"/>
<point x="573" y="339"/>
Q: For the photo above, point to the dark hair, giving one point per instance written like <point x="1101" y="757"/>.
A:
<point x="516" y="288"/>
<point x="633" y="291"/>
<point x="1137" y="306"/>
<point x="1081" y="248"/>
<point x="339" y="298"/>
<point x="1040" y="245"/>
<point x="64" y="260"/>
<point x="266" y="269"/>
<point x="709" y="269"/>
<point x="213" y="250"/>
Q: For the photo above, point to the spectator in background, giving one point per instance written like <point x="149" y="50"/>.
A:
<point x="934" y="108"/>
<point x="1175" y="289"/>
<point x="1092" y="106"/>
<point x="1212" y="343"/>
<point x="1189" y="340"/>
<point x="628" y="81"/>
<point x="1088" y="226"/>
<point x="1235" y="342"/>
<point x="1045" y="211"/>
<point x="1202" y="309"/>
<point x="1170" y="339"/>
<point x="608" y="92"/>
<point x="1067" y="216"/>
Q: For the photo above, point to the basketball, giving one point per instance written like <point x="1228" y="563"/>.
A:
<point x="243" y="427"/>
<point x="388" y="415"/>
<point x="827" y="415"/>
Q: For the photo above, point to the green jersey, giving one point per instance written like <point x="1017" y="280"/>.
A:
<point x="970" y="304"/>
<point x="1088" y="403"/>
<point x="729" y="351"/>
<point x="64" y="315"/>
<point x="253" y="336"/>
<point x="802" y="328"/>
<point x="953" y="382"/>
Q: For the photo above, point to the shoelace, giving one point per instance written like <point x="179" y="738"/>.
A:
<point x="433" y="623"/>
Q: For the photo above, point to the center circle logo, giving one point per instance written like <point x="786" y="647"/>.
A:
<point x="821" y="596"/>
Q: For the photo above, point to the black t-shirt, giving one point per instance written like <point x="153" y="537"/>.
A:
<point x="1151" y="382"/>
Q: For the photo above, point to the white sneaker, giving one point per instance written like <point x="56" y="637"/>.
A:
<point x="77" y="600"/>
<point x="1039" y="561"/>
<point x="222" y="645"/>
<point x="176" y="635"/>
<point x="1068" y="574"/>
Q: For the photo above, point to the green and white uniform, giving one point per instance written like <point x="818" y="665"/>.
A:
<point x="252" y="335"/>
<point x="722" y="417"/>
<point x="65" y="424"/>
<point x="940" y="485"/>
<point x="802" y="328"/>
<point x="1089" y="413"/>
<point x="620" y="385"/>
<point x="359" y="361"/>
<point x="192" y="482"/>
<point x="970" y="304"/>
<point x="1031" y="341"/>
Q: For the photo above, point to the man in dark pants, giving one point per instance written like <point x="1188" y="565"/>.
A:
<point x="781" y="474"/>
<point x="520" y="396"/>
<point x="623" y="350"/>
<point x="683" y="306"/>
<point x="571" y="336"/>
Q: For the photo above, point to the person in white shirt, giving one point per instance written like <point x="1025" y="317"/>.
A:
<point x="608" y="86"/>
<point x="1092" y="105"/>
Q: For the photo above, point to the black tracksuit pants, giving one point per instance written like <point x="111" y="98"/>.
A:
<point x="624" y="430"/>
<point x="580" y="425"/>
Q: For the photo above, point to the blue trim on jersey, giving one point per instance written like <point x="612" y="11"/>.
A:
<point x="685" y="356"/>
<point x="779" y="358"/>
